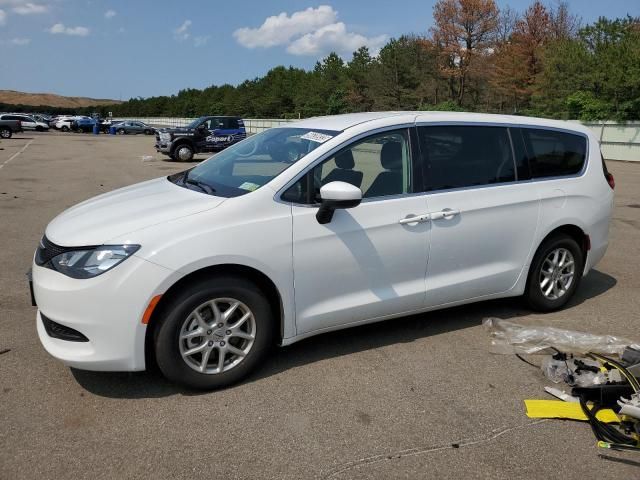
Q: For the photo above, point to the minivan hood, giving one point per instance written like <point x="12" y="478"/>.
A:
<point x="110" y="215"/>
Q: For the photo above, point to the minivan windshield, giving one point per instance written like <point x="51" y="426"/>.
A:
<point x="251" y="163"/>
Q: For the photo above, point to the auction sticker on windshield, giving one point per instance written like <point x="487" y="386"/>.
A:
<point x="249" y="186"/>
<point x="316" y="137"/>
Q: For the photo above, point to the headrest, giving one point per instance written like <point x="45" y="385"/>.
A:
<point x="345" y="160"/>
<point x="391" y="156"/>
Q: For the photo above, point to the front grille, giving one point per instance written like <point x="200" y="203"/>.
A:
<point x="47" y="250"/>
<point x="62" y="332"/>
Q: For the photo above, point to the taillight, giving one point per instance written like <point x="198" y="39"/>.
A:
<point x="610" y="180"/>
<point x="19" y="124"/>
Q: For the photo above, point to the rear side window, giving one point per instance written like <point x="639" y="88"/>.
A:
<point x="466" y="156"/>
<point x="554" y="154"/>
<point x="230" y="123"/>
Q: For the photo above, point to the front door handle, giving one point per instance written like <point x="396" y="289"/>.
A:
<point x="446" y="214"/>
<point x="425" y="217"/>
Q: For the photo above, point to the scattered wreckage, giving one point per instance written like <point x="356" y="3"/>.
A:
<point x="602" y="371"/>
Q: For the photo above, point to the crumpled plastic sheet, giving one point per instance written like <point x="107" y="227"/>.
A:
<point x="511" y="338"/>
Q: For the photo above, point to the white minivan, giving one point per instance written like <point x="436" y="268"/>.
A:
<point x="318" y="225"/>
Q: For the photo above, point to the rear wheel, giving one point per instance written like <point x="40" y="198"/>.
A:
<point x="555" y="273"/>
<point x="214" y="333"/>
<point x="65" y="128"/>
<point x="39" y="129"/>
<point x="148" y="132"/>
<point x="5" y="133"/>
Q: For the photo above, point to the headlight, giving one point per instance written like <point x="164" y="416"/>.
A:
<point x="165" y="136"/>
<point x="91" y="262"/>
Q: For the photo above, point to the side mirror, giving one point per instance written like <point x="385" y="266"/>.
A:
<point x="336" y="195"/>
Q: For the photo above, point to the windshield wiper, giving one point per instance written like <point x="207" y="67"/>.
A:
<point x="205" y="187"/>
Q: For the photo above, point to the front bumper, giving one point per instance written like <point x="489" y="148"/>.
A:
<point x="163" y="147"/>
<point x="106" y="309"/>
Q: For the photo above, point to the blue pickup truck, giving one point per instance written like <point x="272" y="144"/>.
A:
<point x="204" y="134"/>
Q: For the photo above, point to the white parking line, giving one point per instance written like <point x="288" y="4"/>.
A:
<point x="17" y="153"/>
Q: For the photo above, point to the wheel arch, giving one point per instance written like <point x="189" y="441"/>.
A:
<point x="575" y="232"/>
<point x="182" y="141"/>
<point x="254" y="275"/>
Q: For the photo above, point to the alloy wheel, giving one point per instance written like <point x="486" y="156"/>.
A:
<point x="557" y="273"/>
<point x="217" y="336"/>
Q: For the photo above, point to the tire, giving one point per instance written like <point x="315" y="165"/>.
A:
<point x="39" y="129"/>
<point x="64" y="128"/>
<point x="148" y="132"/>
<point x="121" y="131"/>
<point x="177" y="318"/>
<point x="556" y="292"/>
<point x="183" y="153"/>
<point x="5" y="133"/>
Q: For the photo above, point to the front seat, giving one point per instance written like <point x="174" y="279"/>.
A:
<point x="388" y="182"/>
<point x="344" y="171"/>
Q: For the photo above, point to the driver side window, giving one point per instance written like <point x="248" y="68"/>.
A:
<point x="379" y="165"/>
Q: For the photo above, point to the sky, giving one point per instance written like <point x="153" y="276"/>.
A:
<point x="128" y="48"/>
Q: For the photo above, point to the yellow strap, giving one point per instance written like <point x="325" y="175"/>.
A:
<point x="567" y="410"/>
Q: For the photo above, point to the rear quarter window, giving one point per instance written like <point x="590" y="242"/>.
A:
<point x="554" y="154"/>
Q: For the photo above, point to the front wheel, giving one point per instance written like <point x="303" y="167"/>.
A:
<point x="555" y="273"/>
<point x="183" y="153"/>
<point x="65" y="128"/>
<point x="121" y="131"/>
<point x="214" y="333"/>
<point x="5" y="133"/>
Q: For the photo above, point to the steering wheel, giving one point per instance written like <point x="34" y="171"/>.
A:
<point x="247" y="147"/>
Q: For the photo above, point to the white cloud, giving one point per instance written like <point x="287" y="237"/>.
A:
<point x="20" y="41"/>
<point x="3" y="18"/>
<point x="182" y="32"/>
<point x="60" y="29"/>
<point x="280" y="29"/>
<point x="201" y="41"/>
<point x="109" y="14"/>
<point x="28" y="8"/>
<point x="334" y="38"/>
<point x="314" y="31"/>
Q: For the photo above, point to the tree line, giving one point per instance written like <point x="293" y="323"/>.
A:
<point x="476" y="57"/>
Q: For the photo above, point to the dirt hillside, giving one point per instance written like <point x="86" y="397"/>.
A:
<point x="50" y="99"/>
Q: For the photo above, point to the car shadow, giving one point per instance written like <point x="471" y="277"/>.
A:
<point x="19" y="138"/>
<point x="151" y="384"/>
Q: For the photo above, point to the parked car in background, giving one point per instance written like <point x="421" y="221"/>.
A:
<point x="204" y="134"/>
<point x="65" y="123"/>
<point x="84" y="125"/>
<point x="9" y="127"/>
<point x="28" y="123"/>
<point x="133" y="127"/>
<point x="320" y="225"/>
<point x="42" y="118"/>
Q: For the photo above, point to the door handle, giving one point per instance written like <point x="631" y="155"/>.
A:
<point x="446" y="214"/>
<point x="425" y="217"/>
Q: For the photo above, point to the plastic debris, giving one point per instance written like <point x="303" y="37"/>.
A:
<point x="566" y="410"/>
<point x="565" y="397"/>
<point x="511" y="338"/>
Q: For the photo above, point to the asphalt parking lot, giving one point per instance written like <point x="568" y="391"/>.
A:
<point x="417" y="397"/>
